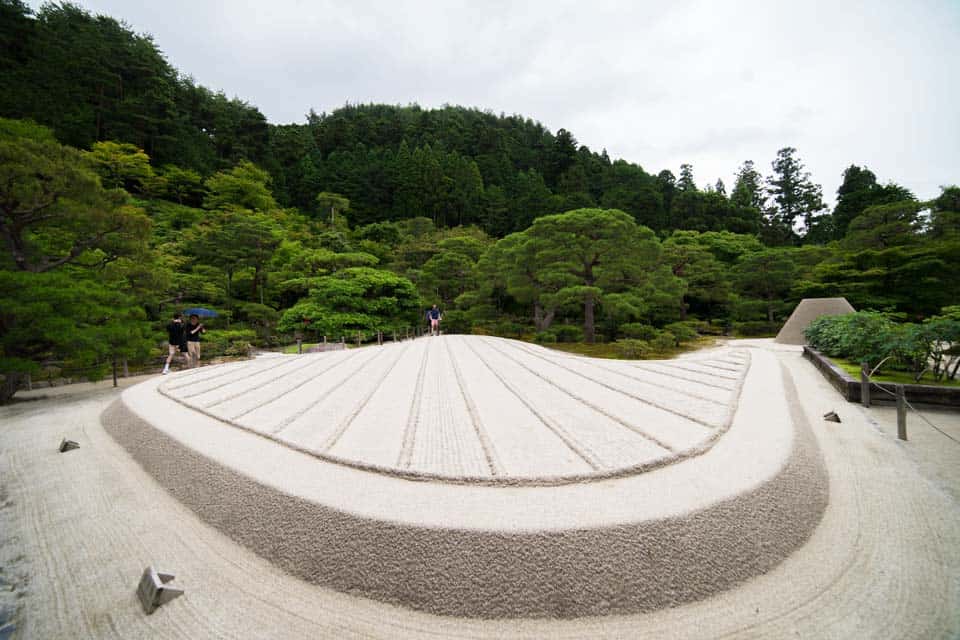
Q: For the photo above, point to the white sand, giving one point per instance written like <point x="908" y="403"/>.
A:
<point x="407" y="408"/>
<point x="749" y="454"/>
<point x="81" y="526"/>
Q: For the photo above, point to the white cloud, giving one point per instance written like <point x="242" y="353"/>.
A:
<point x="710" y="84"/>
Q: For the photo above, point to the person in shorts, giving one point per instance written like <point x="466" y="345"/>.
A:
<point x="176" y="336"/>
<point x="434" y="316"/>
<point x="193" y="330"/>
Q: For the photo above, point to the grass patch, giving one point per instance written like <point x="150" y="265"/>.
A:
<point x="292" y="348"/>
<point x="897" y="377"/>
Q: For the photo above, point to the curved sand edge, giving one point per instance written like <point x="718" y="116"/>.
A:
<point x="627" y="568"/>
<point x="271" y="419"/>
<point x="752" y="452"/>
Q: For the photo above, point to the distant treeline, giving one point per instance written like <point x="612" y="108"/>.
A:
<point x="91" y="78"/>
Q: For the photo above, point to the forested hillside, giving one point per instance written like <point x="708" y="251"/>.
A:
<point x="128" y="191"/>
<point x="91" y="79"/>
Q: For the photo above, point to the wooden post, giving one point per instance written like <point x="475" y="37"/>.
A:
<point x="29" y="382"/>
<point x="114" y="370"/>
<point x="324" y="341"/>
<point x="379" y="338"/>
<point x="901" y="413"/>
<point x="126" y="369"/>
<point x="358" y="338"/>
<point x="394" y="335"/>
<point x="865" y="385"/>
<point x="299" y="345"/>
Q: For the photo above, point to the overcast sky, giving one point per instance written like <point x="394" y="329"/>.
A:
<point x="707" y="83"/>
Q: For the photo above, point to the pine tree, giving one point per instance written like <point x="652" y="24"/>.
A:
<point x="797" y="200"/>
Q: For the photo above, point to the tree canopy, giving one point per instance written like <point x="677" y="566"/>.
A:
<point x="126" y="189"/>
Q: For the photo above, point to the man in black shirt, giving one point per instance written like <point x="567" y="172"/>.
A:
<point x="176" y="335"/>
<point x="193" y="331"/>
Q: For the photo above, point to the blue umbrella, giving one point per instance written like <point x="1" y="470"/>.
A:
<point x="200" y="311"/>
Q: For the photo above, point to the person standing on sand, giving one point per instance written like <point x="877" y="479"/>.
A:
<point x="434" y="316"/>
<point x="194" y="329"/>
<point x="175" y="337"/>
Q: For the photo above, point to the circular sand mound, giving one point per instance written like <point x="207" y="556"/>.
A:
<point x="546" y="485"/>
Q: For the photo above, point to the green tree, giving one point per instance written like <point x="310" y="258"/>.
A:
<point x="945" y="214"/>
<point x="68" y="318"/>
<point x="796" y="199"/>
<point x="120" y="165"/>
<point x="748" y="190"/>
<point x="887" y="261"/>
<point x="355" y="299"/>
<point x="448" y="274"/>
<point x="883" y="226"/>
<point x="238" y="239"/>
<point x="334" y="203"/>
<point x="53" y="210"/>
<point x="519" y="264"/>
<point x="859" y="191"/>
<point x="766" y="275"/>
<point x="245" y="186"/>
<point x="706" y="279"/>
<point x="593" y="249"/>
<point x="183" y="185"/>
<point x="686" y="181"/>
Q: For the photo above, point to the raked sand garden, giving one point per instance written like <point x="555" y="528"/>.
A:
<point x="479" y="487"/>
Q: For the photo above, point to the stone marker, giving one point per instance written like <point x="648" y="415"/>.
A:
<point x="68" y="445"/>
<point x="153" y="591"/>
<point x="831" y="416"/>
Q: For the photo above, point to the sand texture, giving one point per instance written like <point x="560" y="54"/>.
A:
<point x="466" y="408"/>
<point x="80" y="527"/>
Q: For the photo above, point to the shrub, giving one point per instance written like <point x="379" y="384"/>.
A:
<point x="872" y="337"/>
<point x="754" y="328"/>
<point x="683" y="331"/>
<point x="631" y="348"/>
<point x="862" y="336"/>
<point x="545" y="336"/>
<point x="227" y="342"/>
<point x="456" y="321"/>
<point x="665" y="341"/>
<point x="568" y="333"/>
<point x="638" y="330"/>
<point x="932" y="346"/>
<point x="715" y="327"/>
<point x="261" y="317"/>
<point x="952" y="313"/>
<point x="507" y="329"/>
